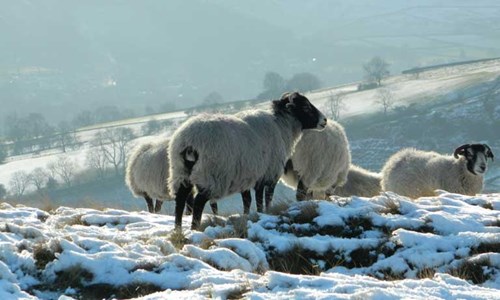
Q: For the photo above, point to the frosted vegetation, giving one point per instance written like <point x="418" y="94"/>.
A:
<point x="387" y="246"/>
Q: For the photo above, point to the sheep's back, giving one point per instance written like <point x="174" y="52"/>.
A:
<point x="228" y="150"/>
<point x="322" y="158"/>
<point x="360" y="182"/>
<point x="147" y="170"/>
<point x="411" y="173"/>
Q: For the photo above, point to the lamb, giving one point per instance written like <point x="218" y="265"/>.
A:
<point x="147" y="172"/>
<point x="416" y="173"/>
<point x="360" y="182"/>
<point x="219" y="155"/>
<point x="320" y="162"/>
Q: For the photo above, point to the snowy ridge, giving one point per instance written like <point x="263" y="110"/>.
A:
<point x="442" y="247"/>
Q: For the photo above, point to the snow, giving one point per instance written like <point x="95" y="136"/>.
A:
<point x="378" y="253"/>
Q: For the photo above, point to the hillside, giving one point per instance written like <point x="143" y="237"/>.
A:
<point x="439" y="110"/>
<point x="388" y="247"/>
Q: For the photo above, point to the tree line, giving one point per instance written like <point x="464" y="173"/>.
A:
<point x="106" y="157"/>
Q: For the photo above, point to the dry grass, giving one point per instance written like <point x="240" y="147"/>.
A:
<point x="44" y="253"/>
<point x="106" y="291"/>
<point x="308" y="212"/>
<point x="239" y="292"/>
<point x="212" y="221"/>
<point x="488" y="205"/>
<point x="206" y="243"/>
<point x="293" y="261"/>
<point x="239" y="223"/>
<point x="278" y="207"/>
<point x="75" y="277"/>
<point x="178" y="238"/>
<point x="426" y="273"/>
<point x="391" y="206"/>
<point x="470" y="271"/>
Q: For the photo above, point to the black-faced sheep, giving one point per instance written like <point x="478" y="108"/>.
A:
<point x="320" y="162"/>
<point x="220" y="155"/>
<point x="414" y="173"/>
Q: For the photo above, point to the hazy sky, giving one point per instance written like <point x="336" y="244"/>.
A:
<point x="59" y="57"/>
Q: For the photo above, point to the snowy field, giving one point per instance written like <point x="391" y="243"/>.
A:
<point x="386" y="247"/>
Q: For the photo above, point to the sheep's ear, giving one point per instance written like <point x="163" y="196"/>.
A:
<point x="489" y="153"/>
<point x="461" y="150"/>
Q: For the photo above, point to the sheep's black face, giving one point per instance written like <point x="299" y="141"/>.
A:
<point x="307" y="114"/>
<point x="477" y="157"/>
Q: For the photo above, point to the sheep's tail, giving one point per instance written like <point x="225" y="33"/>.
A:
<point x="190" y="157"/>
<point x="181" y="167"/>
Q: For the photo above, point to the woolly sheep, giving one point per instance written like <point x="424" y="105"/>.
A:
<point x="416" y="173"/>
<point x="274" y="156"/>
<point x="360" y="182"/>
<point x="220" y="155"/>
<point x="147" y="172"/>
<point x="319" y="162"/>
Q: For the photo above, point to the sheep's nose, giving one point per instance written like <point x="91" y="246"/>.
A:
<point x="482" y="167"/>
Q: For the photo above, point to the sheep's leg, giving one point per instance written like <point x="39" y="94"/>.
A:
<point x="269" y="194"/>
<point x="259" y="195"/>
<point x="158" y="205"/>
<point x="214" y="207"/>
<point x="246" y="196"/>
<point x="301" y="191"/>
<point x="180" y="201"/>
<point x="189" y="204"/>
<point x="199" y="204"/>
<point x="149" y="202"/>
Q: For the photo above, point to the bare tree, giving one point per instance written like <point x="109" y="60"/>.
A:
<point x="65" y="168"/>
<point x="303" y="82"/>
<point x="113" y="144"/>
<point x="376" y="70"/>
<point x="19" y="181"/>
<point x="38" y="178"/>
<point x="96" y="160"/>
<point x="385" y="99"/>
<point x="335" y="104"/>
<point x="66" y="136"/>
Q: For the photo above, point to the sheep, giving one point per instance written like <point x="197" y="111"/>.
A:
<point x="319" y="162"/>
<point x="220" y="155"/>
<point x="147" y="172"/>
<point x="414" y="173"/>
<point x="360" y="182"/>
<point x="264" y="123"/>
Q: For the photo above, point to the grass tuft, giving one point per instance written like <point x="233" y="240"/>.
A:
<point x="278" y="208"/>
<point x="391" y="206"/>
<point x="44" y="253"/>
<point x="212" y="221"/>
<point x="239" y="292"/>
<point x="178" y="238"/>
<point x="426" y="273"/>
<point x="75" y="277"/>
<point x="470" y="271"/>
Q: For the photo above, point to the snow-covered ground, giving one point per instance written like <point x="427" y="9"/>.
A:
<point x="385" y="247"/>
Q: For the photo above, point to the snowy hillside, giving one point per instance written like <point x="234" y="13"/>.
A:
<point x="444" y="247"/>
<point x="441" y="86"/>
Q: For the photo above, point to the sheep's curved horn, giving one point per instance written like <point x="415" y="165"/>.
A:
<point x="460" y="150"/>
<point x="489" y="153"/>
